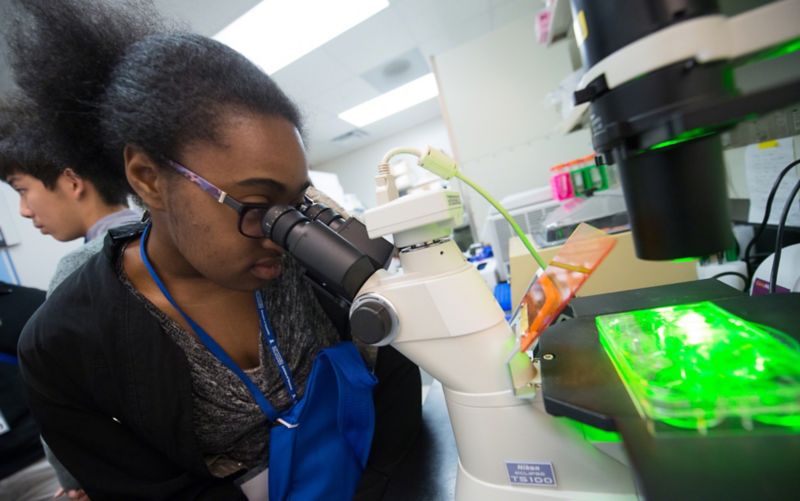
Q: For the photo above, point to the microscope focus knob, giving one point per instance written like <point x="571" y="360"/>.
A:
<point x="373" y="320"/>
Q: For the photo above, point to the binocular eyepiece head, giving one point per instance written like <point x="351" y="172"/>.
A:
<point x="337" y="254"/>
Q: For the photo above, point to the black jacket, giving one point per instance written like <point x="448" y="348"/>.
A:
<point x="19" y="446"/>
<point x="93" y="355"/>
<point x="113" y="393"/>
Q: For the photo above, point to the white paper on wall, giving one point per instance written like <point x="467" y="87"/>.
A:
<point x="763" y="163"/>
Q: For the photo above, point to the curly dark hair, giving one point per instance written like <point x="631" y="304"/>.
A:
<point x="26" y="145"/>
<point x="107" y="76"/>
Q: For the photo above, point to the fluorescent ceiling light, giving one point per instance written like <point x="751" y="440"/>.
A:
<point x="394" y="101"/>
<point x="275" y="33"/>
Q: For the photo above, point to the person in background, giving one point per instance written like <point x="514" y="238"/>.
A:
<point x="68" y="196"/>
<point x="25" y="475"/>
<point x="61" y="202"/>
<point x="143" y="405"/>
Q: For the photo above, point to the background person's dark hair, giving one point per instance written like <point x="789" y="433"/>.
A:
<point x="56" y="63"/>
<point x="24" y="145"/>
<point x="29" y="145"/>
<point x="111" y="75"/>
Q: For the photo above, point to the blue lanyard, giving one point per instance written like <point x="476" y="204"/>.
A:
<point x="266" y="331"/>
<point x="218" y="351"/>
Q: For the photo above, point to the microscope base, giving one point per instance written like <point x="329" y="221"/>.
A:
<point x="511" y="449"/>
<point x="470" y="488"/>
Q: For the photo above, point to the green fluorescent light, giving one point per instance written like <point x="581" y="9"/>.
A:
<point x="591" y="433"/>
<point x="394" y="101"/>
<point x="728" y="82"/>
<point x="685" y="260"/>
<point x="275" y="33"/>
<point x="681" y="138"/>
<point x="698" y="367"/>
<point x="777" y="51"/>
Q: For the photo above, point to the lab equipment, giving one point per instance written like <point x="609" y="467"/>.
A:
<point x="439" y="313"/>
<point x="561" y="185"/>
<point x="698" y="367"/>
<point x="482" y="257"/>
<point x="578" y="178"/>
<point x="788" y="278"/>
<point x="350" y="256"/>
<point x="660" y="87"/>
<point x="605" y="210"/>
<point x="529" y="208"/>
<point x="621" y="270"/>
<point x="656" y="81"/>
<point x="580" y="382"/>
<point x="379" y="251"/>
<point x="556" y="285"/>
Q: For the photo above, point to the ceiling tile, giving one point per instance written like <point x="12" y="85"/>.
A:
<point x="312" y="75"/>
<point x="398" y="70"/>
<point x="322" y="128"/>
<point x="427" y="19"/>
<point x="372" y="42"/>
<point x="453" y="36"/>
<point x="422" y="23"/>
<point x="344" y="96"/>
<point x="206" y="17"/>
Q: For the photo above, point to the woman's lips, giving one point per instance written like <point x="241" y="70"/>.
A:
<point x="267" y="268"/>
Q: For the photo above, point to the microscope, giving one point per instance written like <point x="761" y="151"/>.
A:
<point x="440" y="314"/>
<point x="658" y="92"/>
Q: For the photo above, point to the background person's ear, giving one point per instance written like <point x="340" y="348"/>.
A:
<point x="146" y="178"/>
<point x="71" y="183"/>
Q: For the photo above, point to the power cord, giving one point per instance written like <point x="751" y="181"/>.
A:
<point x="732" y="274"/>
<point x="773" y="276"/>
<point x="767" y="211"/>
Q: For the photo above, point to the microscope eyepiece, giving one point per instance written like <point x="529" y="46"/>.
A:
<point x="285" y="217"/>
<point x="337" y="254"/>
<point x="324" y="214"/>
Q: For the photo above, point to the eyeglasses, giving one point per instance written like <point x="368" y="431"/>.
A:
<point x="250" y="215"/>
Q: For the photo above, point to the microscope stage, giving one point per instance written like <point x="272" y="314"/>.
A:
<point x="579" y="381"/>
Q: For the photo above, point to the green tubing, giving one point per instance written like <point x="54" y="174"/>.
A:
<point x="460" y="175"/>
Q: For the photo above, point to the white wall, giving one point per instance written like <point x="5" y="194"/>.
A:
<point x="493" y="90"/>
<point x="357" y="169"/>
<point x="37" y="255"/>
